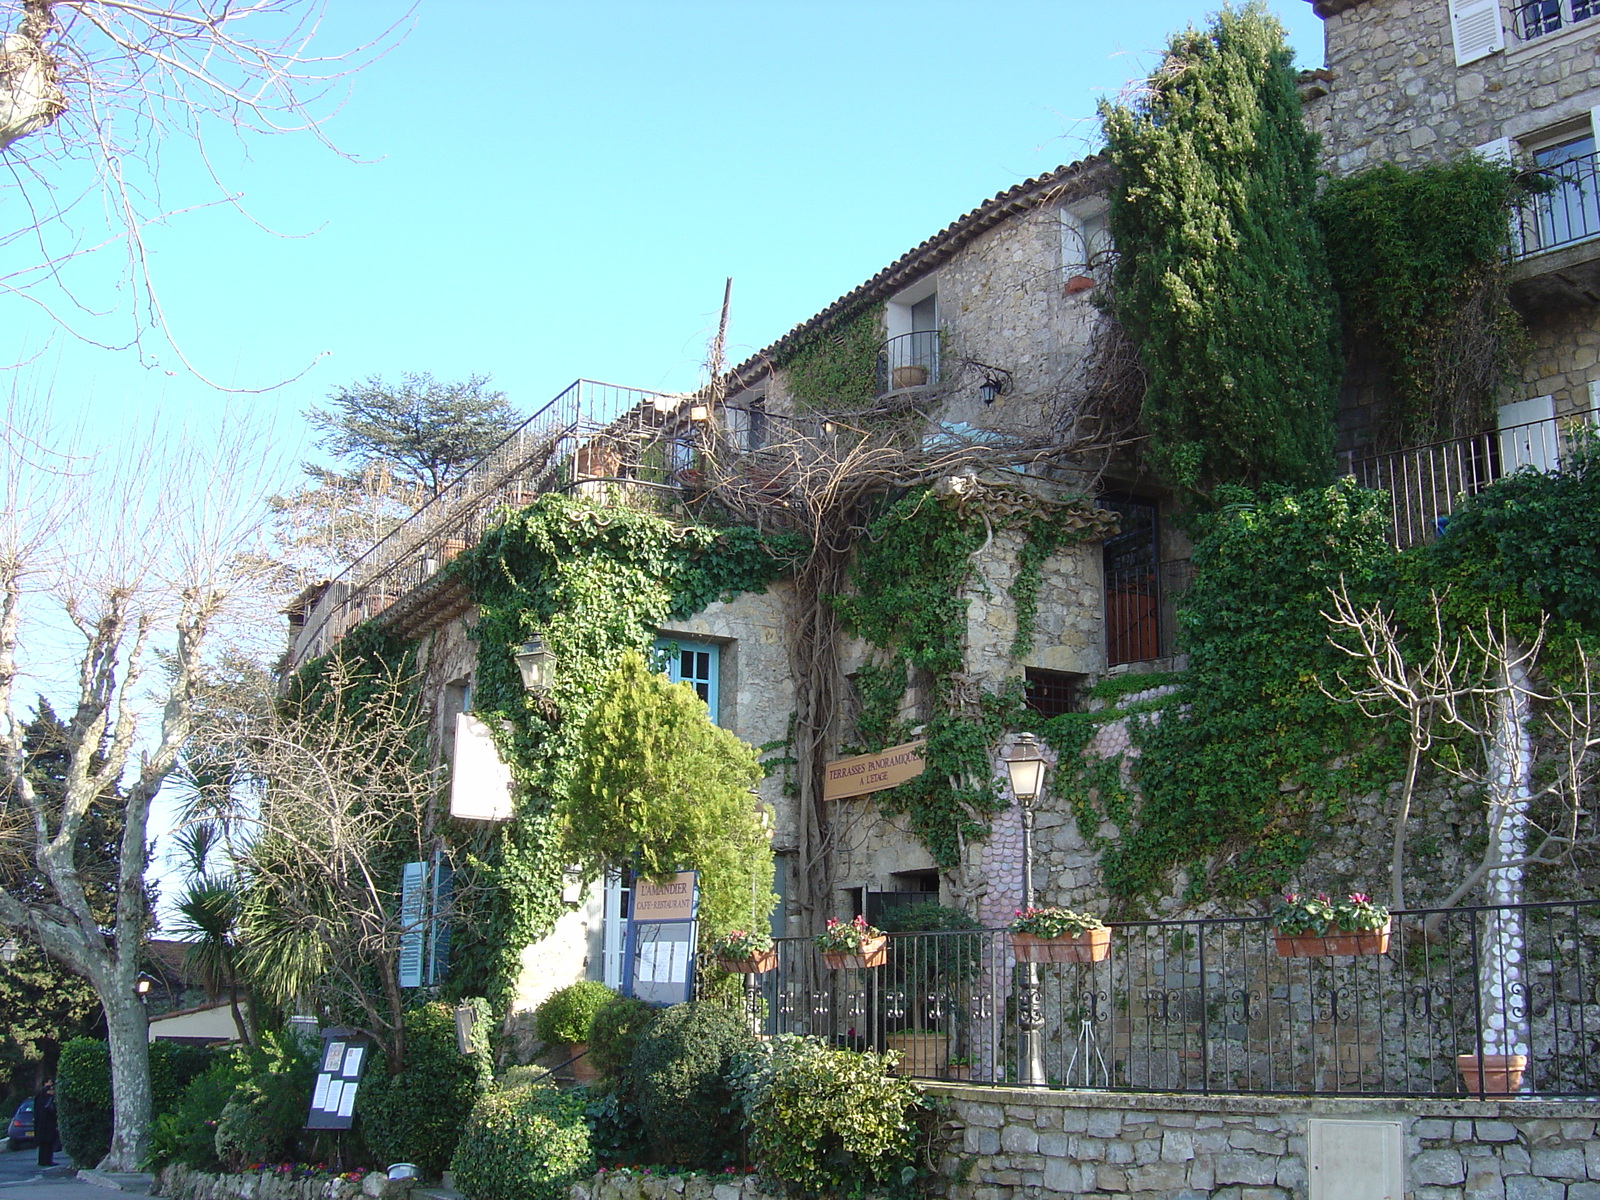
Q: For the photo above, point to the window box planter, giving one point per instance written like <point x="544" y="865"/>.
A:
<point x="1092" y="945"/>
<point x="874" y="952"/>
<point x="925" y="1054"/>
<point x="958" y="1071"/>
<point x="758" y="964"/>
<point x="1492" y="1074"/>
<point x="1334" y="943"/>
<point x="1079" y="283"/>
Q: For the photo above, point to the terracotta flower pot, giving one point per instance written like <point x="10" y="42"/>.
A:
<point x="759" y="965"/>
<point x="958" y="1071"/>
<point x="874" y="953"/>
<point x="1079" y="283"/>
<point x="1336" y="942"/>
<point x="925" y="1054"/>
<point x="914" y="375"/>
<point x="582" y="1069"/>
<point x="1092" y="945"/>
<point x="1493" y="1075"/>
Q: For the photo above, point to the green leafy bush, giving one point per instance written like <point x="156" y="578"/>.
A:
<point x="613" y="1034"/>
<point x="83" y="1100"/>
<point x="262" y="1122"/>
<point x="188" y="1134"/>
<point x="833" y="1123"/>
<point x="565" y="1016"/>
<point x="527" y="1144"/>
<point x="416" y="1116"/>
<point x="680" y="1068"/>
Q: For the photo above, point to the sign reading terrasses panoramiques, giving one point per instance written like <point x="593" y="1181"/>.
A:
<point x="866" y="773"/>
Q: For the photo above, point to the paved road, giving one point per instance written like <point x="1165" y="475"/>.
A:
<point x="21" y="1178"/>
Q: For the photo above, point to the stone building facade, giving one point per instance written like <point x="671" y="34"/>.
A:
<point x="1412" y="82"/>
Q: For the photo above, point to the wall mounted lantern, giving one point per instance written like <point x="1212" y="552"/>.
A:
<point x="8" y="950"/>
<point x="537" y="664"/>
<point x="142" y="985"/>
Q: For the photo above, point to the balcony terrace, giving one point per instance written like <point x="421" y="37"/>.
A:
<point x="1556" y="238"/>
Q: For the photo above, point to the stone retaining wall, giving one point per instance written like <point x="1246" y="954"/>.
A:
<point x="1019" y="1144"/>
<point x="623" y="1184"/>
<point x="184" y="1183"/>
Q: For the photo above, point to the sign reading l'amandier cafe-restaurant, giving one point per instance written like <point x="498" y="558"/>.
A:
<point x="864" y="773"/>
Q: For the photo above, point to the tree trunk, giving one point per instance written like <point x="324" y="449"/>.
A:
<point x="128" y="1032"/>
<point x="1501" y="986"/>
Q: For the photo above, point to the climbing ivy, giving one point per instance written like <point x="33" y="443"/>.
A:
<point x="1419" y="258"/>
<point x="911" y="577"/>
<point x="1243" y="760"/>
<point x="837" y="368"/>
<point x="1221" y="278"/>
<point x="594" y="582"/>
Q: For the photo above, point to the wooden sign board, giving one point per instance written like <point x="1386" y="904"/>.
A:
<point x="665" y="901"/>
<point x="866" y="773"/>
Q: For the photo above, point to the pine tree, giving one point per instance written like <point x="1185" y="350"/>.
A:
<point x="1221" y="277"/>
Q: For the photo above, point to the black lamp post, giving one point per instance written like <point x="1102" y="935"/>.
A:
<point x="1025" y="765"/>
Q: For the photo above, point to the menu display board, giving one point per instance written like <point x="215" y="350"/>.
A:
<point x="661" y="940"/>
<point x="333" y="1097"/>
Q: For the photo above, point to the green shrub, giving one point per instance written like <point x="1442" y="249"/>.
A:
<point x="526" y="1144"/>
<point x="83" y="1100"/>
<point x="188" y="1134"/>
<point x="931" y="967"/>
<point x="834" y="1123"/>
<point x="416" y="1116"/>
<point x="262" y="1122"/>
<point x="613" y="1034"/>
<point x="564" y="1017"/>
<point x="680" y="1069"/>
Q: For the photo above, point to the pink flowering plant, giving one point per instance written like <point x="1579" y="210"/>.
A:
<point x="742" y="944"/>
<point x="1294" y="915"/>
<point x="846" y="938"/>
<point x="1052" y="922"/>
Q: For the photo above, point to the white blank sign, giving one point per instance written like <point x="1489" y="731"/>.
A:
<point x="1355" y="1160"/>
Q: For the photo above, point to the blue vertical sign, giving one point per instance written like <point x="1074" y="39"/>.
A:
<point x="662" y="927"/>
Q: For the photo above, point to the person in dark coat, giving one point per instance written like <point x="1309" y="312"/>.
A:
<point x="44" y="1122"/>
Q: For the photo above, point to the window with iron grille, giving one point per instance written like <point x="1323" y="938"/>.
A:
<point x="1051" y="693"/>
<point x="1537" y="18"/>
<point x="1132" y="591"/>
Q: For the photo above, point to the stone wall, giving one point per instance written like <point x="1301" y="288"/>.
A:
<point x="1012" y="1143"/>
<point x="184" y="1183"/>
<point x="624" y="1184"/>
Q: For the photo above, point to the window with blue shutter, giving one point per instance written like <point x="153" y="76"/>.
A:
<point x="413" y="899"/>
<point x="697" y="664"/>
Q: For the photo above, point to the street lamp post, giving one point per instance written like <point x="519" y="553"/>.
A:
<point x="1025" y="765"/>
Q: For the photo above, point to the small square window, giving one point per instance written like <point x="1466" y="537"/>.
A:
<point x="1051" y="693"/>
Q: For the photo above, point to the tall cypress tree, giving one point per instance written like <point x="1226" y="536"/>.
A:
<point x="1221" y="277"/>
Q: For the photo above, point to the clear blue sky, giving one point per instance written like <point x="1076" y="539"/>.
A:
<point x="556" y="190"/>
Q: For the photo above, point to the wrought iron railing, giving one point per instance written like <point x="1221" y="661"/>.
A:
<point x="1427" y="483"/>
<point x="1566" y="211"/>
<point x="1211" y="1006"/>
<point x="569" y="444"/>
<point x="908" y="360"/>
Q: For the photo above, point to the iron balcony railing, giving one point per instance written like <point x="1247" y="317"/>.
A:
<point x="1427" y="483"/>
<point x="1565" y="213"/>
<point x="571" y="440"/>
<point x="1210" y="1006"/>
<point x="907" y="361"/>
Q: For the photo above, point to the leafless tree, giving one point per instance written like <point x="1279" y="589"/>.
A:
<point x="324" y="795"/>
<point x="128" y="555"/>
<point x="94" y="92"/>
<point x="1479" y="692"/>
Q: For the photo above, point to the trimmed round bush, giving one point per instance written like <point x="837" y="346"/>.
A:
<point x="834" y="1123"/>
<point x="565" y="1016"/>
<point x="613" y="1034"/>
<point x="416" y="1116"/>
<point x="530" y="1143"/>
<point x="680" y="1075"/>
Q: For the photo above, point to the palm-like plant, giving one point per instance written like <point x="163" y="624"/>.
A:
<point x="208" y="912"/>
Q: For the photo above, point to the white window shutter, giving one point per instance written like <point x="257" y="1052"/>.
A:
<point x="480" y="781"/>
<point x="1497" y="151"/>
<point x="1475" y="26"/>
<point x="1594" y="125"/>
<point x="1528" y="434"/>
<point x="413" y="897"/>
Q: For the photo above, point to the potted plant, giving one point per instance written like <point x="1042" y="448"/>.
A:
<point x="1316" y="927"/>
<point x="853" y="944"/>
<point x="745" y="953"/>
<point x="909" y="376"/>
<point x="564" y="1017"/>
<point x="1059" y="935"/>
<point x="959" y="1067"/>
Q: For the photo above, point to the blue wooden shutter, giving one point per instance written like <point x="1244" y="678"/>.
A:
<point x="413" y="899"/>
<point x="438" y="923"/>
